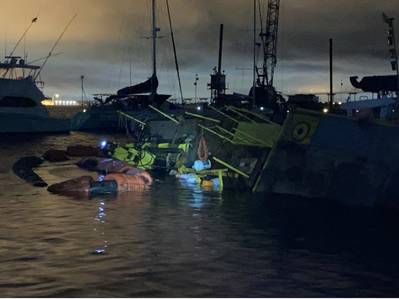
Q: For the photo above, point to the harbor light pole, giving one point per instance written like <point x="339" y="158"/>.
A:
<point x="82" y="88"/>
<point x="331" y="99"/>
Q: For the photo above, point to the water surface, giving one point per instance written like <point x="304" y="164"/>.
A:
<point x="178" y="240"/>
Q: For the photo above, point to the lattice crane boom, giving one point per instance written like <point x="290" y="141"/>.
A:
<point x="269" y="41"/>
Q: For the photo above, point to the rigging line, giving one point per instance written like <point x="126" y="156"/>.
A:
<point x="174" y="51"/>
<point x="130" y="65"/>
<point x="54" y="46"/>
<point x="41" y="58"/>
<point x="115" y="58"/>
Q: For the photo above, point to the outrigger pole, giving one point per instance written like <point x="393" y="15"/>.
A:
<point x="34" y="20"/>
<point x="54" y="46"/>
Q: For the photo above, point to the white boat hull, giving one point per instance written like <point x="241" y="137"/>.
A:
<point x="17" y="123"/>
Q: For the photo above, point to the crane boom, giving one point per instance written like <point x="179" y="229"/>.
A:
<point x="269" y="40"/>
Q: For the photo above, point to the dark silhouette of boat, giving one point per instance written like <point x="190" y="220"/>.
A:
<point x="376" y="84"/>
<point x="131" y="99"/>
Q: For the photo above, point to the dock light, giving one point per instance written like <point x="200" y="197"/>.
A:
<point x="339" y="103"/>
<point x="103" y="144"/>
<point x="199" y="108"/>
<point x="325" y="110"/>
<point x="262" y="108"/>
<point x="107" y="148"/>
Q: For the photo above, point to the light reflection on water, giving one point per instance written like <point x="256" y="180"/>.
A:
<point x="101" y="218"/>
<point x="180" y="240"/>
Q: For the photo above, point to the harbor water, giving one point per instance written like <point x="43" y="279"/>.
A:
<point x="178" y="240"/>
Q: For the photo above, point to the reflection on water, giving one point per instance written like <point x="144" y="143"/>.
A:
<point x="99" y="229"/>
<point x="179" y="240"/>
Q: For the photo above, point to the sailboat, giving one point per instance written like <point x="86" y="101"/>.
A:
<point x="131" y="99"/>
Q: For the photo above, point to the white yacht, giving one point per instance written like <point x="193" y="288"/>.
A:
<point x="21" y="108"/>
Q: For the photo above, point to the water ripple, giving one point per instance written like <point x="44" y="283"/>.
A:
<point x="176" y="240"/>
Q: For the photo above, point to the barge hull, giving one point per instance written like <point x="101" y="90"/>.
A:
<point x="326" y="156"/>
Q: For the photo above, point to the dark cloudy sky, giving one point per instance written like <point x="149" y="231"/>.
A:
<point x="108" y="35"/>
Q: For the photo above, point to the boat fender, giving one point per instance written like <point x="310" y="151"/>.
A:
<point x="23" y="169"/>
<point x="202" y="151"/>
<point x="83" y="151"/>
<point x="90" y="164"/>
<point x="55" y="156"/>
<point x="77" y="186"/>
<point x="300" y="131"/>
<point x="146" y="177"/>
<point x="127" y="182"/>
<point x="103" y="188"/>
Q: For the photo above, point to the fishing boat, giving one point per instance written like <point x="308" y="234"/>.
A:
<point x="21" y="108"/>
<point x="21" y="99"/>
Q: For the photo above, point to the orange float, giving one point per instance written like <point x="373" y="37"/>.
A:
<point x="129" y="182"/>
<point x="202" y="151"/>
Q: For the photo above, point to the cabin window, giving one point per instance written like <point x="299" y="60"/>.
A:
<point x="16" y="102"/>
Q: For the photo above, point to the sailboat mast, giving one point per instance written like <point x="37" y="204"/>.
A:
<point x="254" y="54"/>
<point x="154" y="39"/>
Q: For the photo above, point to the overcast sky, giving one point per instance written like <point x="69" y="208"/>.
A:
<point x="108" y="37"/>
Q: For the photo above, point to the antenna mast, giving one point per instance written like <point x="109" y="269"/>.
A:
<point x="254" y="54"/>
<point x="155" y="31"/>
<point x="82" y="77"/>
<point x="154" y="38"/>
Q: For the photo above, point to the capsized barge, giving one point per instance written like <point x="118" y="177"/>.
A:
<point x="238" y="140"/>
<point x="329" y="156"/>
<point x="311" y="155"/>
